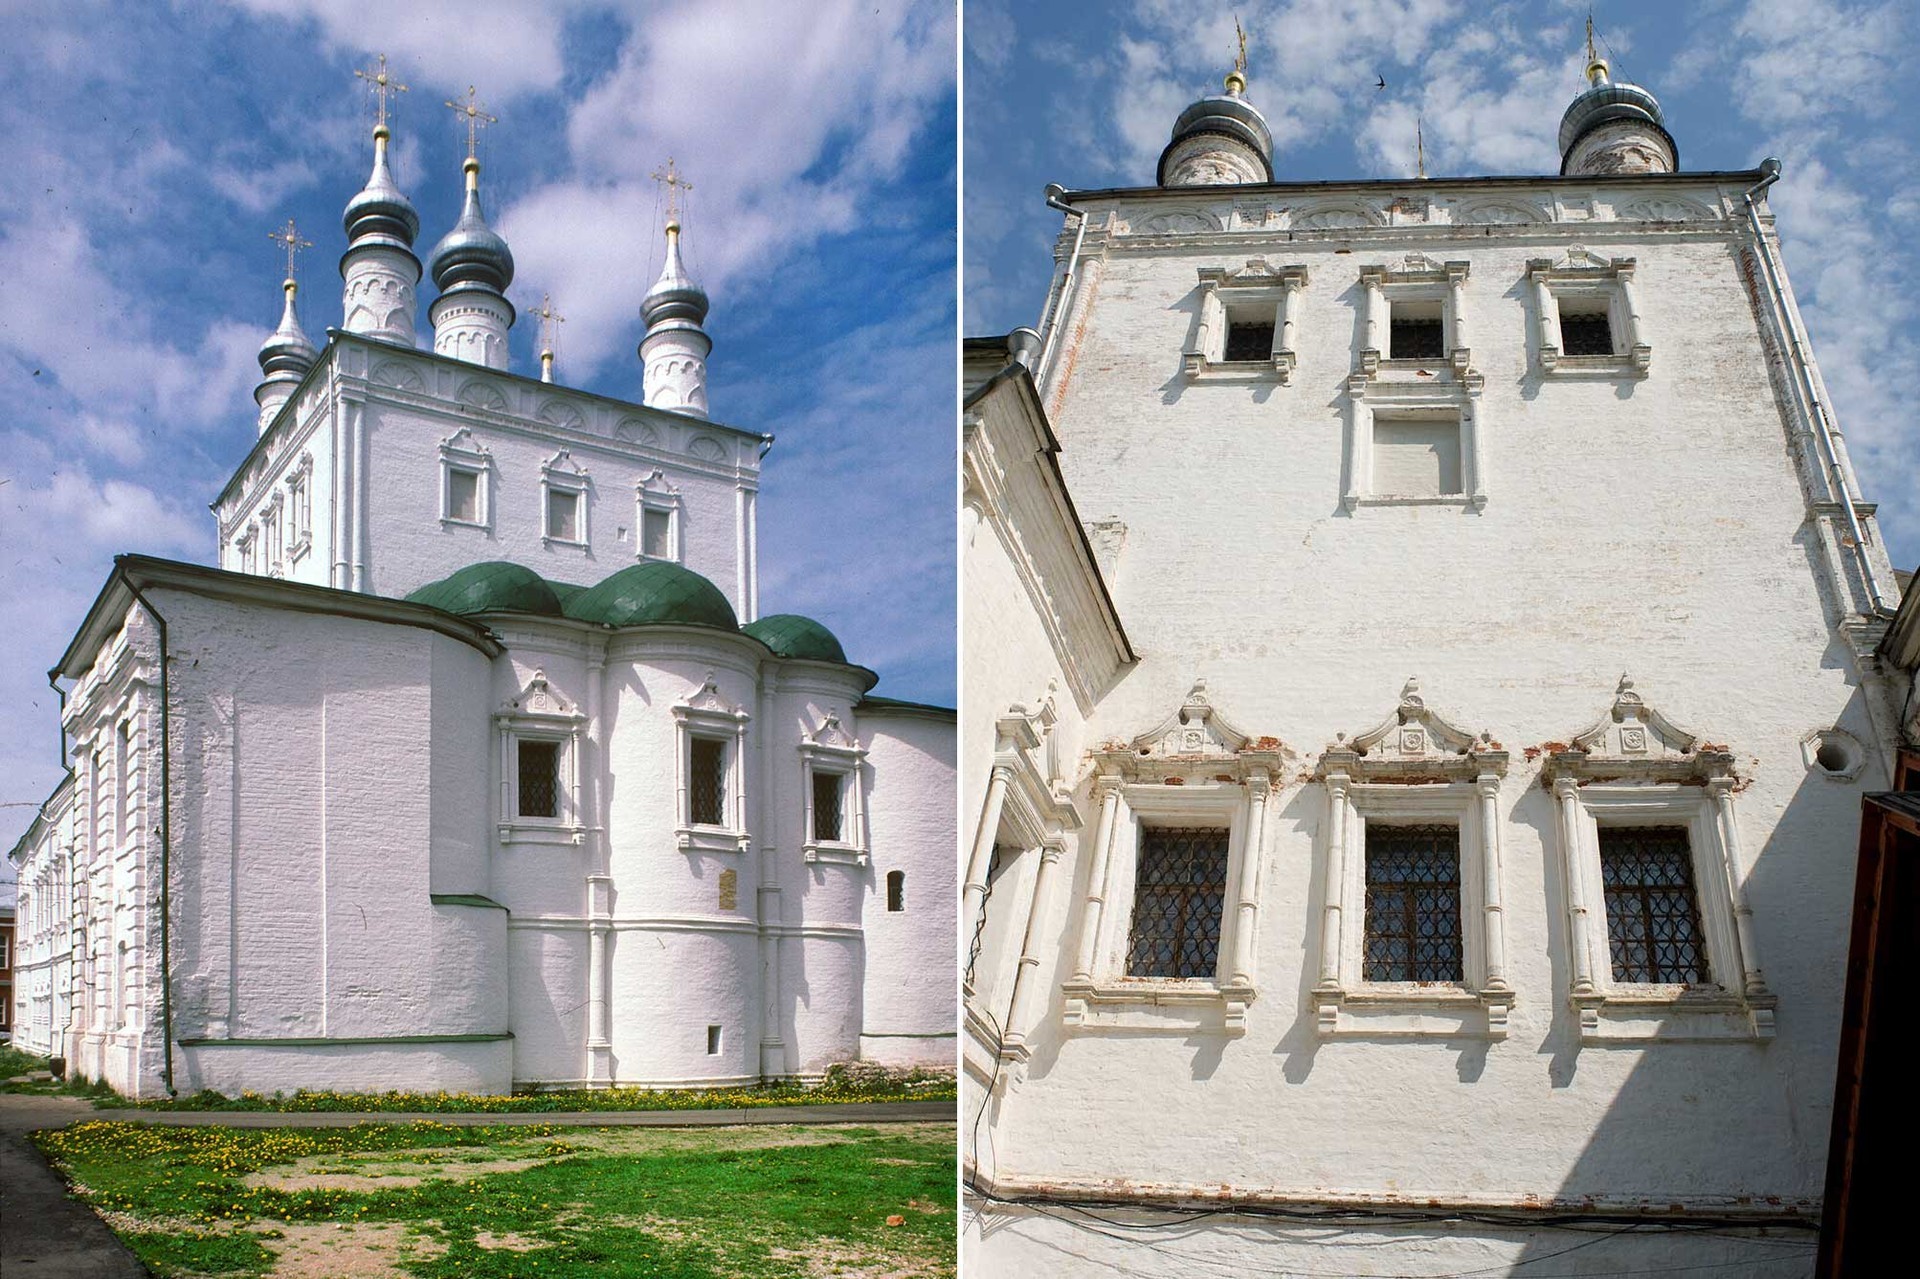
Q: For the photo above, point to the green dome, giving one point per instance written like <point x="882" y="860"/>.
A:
<point x="654" y="593"/>
<point x="491" y="587"/>
<point x="791" y="635"/>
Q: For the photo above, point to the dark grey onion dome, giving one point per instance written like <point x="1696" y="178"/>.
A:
<point x="1606" y="102"/>
<point x="674" y="301"/>
<point x="288" y="349"/>
<point x="1226" y="115"/>
<point x="380" y="214"/>
<point x="471" y="256"/>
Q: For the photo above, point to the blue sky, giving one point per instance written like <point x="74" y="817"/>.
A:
<point x="153" y="149"/>
<point x="1826" y="86"/>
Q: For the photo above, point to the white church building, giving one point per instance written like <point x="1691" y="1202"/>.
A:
<point x="476" y="764"/>
<point x="1419" y="680"/>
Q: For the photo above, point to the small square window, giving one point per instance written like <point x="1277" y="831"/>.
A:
<point x="1180" y="893"/>
<point x="539" y="779"/>
<point x="463" y="495"/>
<point x="1413" y="904"/>
<point x="1585" y="332"/>
<point x="896" y="891"/>
<point x="563" y="515"/>
<point x="1653" y="914"/>
<point x="656" y="534"/>
<point x="826" y="807"/>
<point x="1415" y="331"/>
<point x="707" y="781"/>
<point x="1416" y="457"/>
<point x="1249" y="340"/>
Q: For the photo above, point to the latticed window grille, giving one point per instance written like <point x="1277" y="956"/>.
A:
<point x="1416" y="338"/>
<point x="1180" y="891"/>
<point x="1653" y="913"/>
<point x="707" y="782"/>
<point x="539" y="779"/>
<point x="1249" y="341"/>
<point x="1413" y="903"/>
<point x="1585" y="334"/>
<point x="826" y="807"/>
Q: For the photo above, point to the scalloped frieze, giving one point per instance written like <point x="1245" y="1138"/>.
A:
<point x="482" y="395"/>
<point x="398" y="374"/>
<point x="1337" y="217"/>
<point x="706" y="448"/>
<point x="561" y="414"/>
<point x="1500" y="213"/>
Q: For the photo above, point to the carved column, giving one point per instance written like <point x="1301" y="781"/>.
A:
<point x="1372" y="278"/>
<point x="981" y="857"/>
<point x="1547" y="316"/>
<point x="1568" y="793"/>
<point x="1720" y="790"/>
<point x="1026" y="986"/>
<point x="1461" y="354"/>
<point x="1487" y="785"/>
<point x="1339" y="817"/>
<point x="1637" y="346"/>
<point x="1283" y="349"/>
<point x="1258" y="788"/>
<point x="1107" y="788"/>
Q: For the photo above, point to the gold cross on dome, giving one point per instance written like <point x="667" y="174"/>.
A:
<point x="289" y="239"/>
<point x="550" y="320"/>
<point x="1240" y="61"/>
<point x="381" y="82"/>
<point x="476" y="117"/>
<point x="675" y="184"/>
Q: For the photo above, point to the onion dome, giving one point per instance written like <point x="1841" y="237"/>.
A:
<point x="1615" y="127"/>
<point x="1221" y="140"/>
<point x="380" y="214"/>
<point x="657" y="593"/>
<point x="494" y="586"/>
<point x="674" y="301"/>
<point x="472" y="255"/>
<point x="791" y="635"/>
<point x="288" y="350"/>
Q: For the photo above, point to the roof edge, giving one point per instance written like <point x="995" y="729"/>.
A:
<point x="1749" y="176"/>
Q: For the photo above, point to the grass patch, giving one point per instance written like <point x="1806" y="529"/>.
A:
<point x="14" y="1062"/>
<point x="428" y="1199"/>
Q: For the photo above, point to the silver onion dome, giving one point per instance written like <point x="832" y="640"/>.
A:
<point x="380" y="214"/>
<point x="674" y="301"/>
<point x="472" y="255"/>
<point x="288" y="349"/>
<point x="1606" y="102"/>
<point x="1227" y="115"/>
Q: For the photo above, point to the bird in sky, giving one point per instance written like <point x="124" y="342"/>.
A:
<point x="1382" y="81"/>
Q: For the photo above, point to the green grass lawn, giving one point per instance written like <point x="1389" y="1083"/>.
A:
<point x="432" y="1200"/>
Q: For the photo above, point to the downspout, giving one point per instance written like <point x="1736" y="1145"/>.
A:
<point x="1822" y="423"/>
<point x="1056" y="310"/>
<point x="53" y="682"/>
<point x="166" y="843"/>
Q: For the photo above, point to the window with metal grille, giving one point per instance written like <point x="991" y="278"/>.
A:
<point x="1413" y="903"/>
<point x="1180" y="890"/>
<point x="707" y="781"/>
<point x="1248" y="341"/>
<point x="1585" y="333"/>
<point x="826" y="807"/>
<point x="896" y="890"/>
<point x="539" y="779"/>
<point x="1653" y="914"/>
<point x="1415" y="337"/>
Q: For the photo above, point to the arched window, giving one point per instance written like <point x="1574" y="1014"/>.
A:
<point x="896" y="890"/>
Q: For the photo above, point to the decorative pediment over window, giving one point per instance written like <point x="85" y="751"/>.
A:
<point x="540" y="700"/>
<point x="832" y="735"/>
<point x="707" y="700"/>
<point x="1196" y="738"/>
<point x="461" y="446"/>
<point x="1633" y="741"/>
<point x="1414" y="744"/>
<point x="562" y="464"/>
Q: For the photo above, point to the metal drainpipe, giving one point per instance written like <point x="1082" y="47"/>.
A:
<point x="166" y="843"/>
<point x="53" y="682"/>
<point x="1050" y="323"/>
<point x="1822" y="425"/>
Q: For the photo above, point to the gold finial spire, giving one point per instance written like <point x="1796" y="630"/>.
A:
<point x="380" y="82"/>
<point x="1420" y="146"/>
<point x="289" y="239"/>
<point x="550" y="322"/>
<point x="1596" y="65"/>
<point x="675" y="184"/>
<point x="1237" y="78"/>
<point x="473" y="111"/>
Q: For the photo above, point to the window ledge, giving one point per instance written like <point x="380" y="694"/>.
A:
<point x="1411" y="1010"/>
<point x="447" y="521"/>
<point x="712" y="839"/>
<point x="299" y="549"/>
<point x="535" y="831"/>
<point x="1280" y="366"/>
<point x="1673" y="1013"/>
<point x="843" y="854"/>
<point x="550" y="541"/>
<point x="1172" y="1005"/>
<point x="1631" y="364"/>
<point x="1470" y="501"/>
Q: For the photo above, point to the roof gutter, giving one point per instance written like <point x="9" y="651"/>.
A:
<point x="1057" y="304"/>
<point x="1839" y="473"/>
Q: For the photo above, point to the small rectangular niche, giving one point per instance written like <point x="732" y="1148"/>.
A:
<point x="1417" y="456"/>
<point x="713" y="1041"/>
<point x="1416" y="330"/>
<point x="656" y="534"/>
<point x="563" y="515"/>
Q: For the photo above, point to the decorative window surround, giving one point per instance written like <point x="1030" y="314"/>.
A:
<point x="1413" y="767"/>
<point x="1418" y="279"/>
<point x="539" y="713"/>
<point x="830" y="749"/>
<point x="300" y="506"/>
<point x="1195" y="769"/>
<point x="1369" y="397"/>
<point x="461" y="452"/>
<point x="1603" y="283"/>
<point x="1258" y="293"/>
<point x="705" y="713"/>
<point x="561" y="474"/>
<point x="656" y="493"/>
<point x="1636" y="768"/>
<point x="273" y="535"/>
<point x="1029" y="813"/>
<point x="244" y="547"/>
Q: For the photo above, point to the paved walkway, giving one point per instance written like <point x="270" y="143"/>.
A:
<point x="46" y="1235"/>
